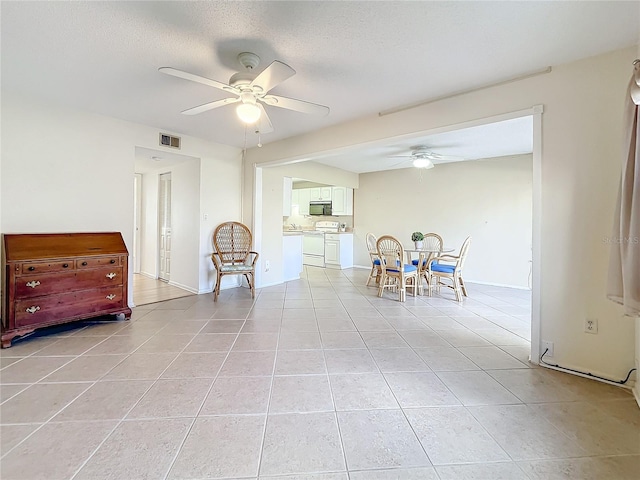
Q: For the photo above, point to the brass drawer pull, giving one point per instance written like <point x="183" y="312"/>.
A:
<point x="33" y="284"/>
<point x="111" y="297"/>
<point x="33" y="309"/>
<point x="111" y="275"/>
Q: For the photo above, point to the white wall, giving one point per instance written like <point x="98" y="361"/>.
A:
<point x="220" y="197"/>
<point x="185" y="220"/>
<point x="65" y="170"/>
<point x="581" y="132"/>
<point x="491" y="200"/>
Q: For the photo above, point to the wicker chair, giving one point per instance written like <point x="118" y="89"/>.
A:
<point x="433" y="242"/>
<point x="376" y="270"/>
<point x="233" y="255"/>
<point x="395" y="273"/>
<point x="439" y="271"/>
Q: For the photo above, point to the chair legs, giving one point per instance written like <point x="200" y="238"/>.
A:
<point x="216" y="289"/>
<point x="373" y="274"/>
<point x="457" y="285"/>
<point x="249" y="278"/>
<point x="464" y="288"/>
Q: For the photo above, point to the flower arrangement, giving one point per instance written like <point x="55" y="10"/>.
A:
<point x="417" y="236"/>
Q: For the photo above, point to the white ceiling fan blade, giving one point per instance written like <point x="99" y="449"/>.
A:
<point x="210" y="106"/>
<point x="297" y="105"/>
<point x="264" y="124"/>
<point x="197" y="78"/>
<point x="273" y="75"/>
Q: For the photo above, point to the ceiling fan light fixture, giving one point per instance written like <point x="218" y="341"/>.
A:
<point x="422" y="163"/>
<point x="248" y="112"/>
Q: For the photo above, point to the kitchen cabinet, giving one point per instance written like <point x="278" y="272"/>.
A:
<point x="291" y="257"/>
<point x="304" y="199"/>
<point x="338" y="250"/>
<point x="317" y="194"/>
<point x="287" y="191"/>
<point x="295" y="198"/>
<point x="342" y="201"/>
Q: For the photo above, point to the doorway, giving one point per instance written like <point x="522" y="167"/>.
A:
<point x="166" y="186"/>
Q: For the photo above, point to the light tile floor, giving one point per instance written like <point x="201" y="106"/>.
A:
<point x="149" y="290"/>
<point x="318" y="379"/>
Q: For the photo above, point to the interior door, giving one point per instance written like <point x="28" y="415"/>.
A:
<point x="137" y="219"/>
<point x="164" y="211"/>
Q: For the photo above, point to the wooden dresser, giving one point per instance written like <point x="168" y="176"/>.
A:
<point x="49" y="279"/>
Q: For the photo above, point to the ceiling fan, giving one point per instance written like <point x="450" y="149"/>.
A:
<point x="422" y="157"/>
<point x="251" y="91"/>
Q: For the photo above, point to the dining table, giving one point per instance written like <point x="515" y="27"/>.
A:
<point x="425" y="256"/>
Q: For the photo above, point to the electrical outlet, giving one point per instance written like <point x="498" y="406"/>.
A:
<point x="591" y="325"/>
<point x="267" y="265"/>
<point x="546" y="345"/>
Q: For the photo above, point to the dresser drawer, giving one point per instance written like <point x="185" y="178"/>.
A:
<point x="93" y="262"/>
<point x="52" y="266"/>
<point x="68" y="305"/>
<point x="29" y="286"/>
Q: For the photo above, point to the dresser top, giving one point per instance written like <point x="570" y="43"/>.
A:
<point x="38" y="246"/>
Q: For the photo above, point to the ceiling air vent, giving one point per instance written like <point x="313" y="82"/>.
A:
<point x="169" y="141"/>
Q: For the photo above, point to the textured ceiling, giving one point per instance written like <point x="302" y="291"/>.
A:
<point x="358" y="58"/>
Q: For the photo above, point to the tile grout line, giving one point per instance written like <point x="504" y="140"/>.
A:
<point x="119" y="422"/>
<point x="204" y="399"/>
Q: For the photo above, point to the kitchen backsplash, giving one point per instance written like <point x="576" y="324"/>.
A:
<point x="310" y="221"/>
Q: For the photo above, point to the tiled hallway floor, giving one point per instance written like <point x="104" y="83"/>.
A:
<point x="150" y="290"/>
<point x="319" y="379"/>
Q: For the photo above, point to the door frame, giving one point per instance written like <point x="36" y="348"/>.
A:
<point x="535" y="112"/>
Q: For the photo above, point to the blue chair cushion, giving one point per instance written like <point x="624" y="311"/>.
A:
<point x="415" y="262"/>
<point x="407" y="269"/>
<point x="376" y="261"/>
<point x="440" y="267"/>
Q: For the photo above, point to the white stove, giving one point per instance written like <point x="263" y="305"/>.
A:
<point x="330" y="227"/>
<point x="313" y="243"/>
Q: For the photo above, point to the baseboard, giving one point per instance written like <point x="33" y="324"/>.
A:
<point x="362" y="266"/>
<point x="491" y="284"/>
<point x="183" y="287"/>
<point x="265" y="285"/>
<point x="599" y="374"/>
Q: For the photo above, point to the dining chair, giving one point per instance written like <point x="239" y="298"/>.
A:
<point x="433" y="243"/>
<point x="450" y="270"/>
<point x="394" y="272"/>
<point x="375" y="259"/>
<point x="233" y="255"/>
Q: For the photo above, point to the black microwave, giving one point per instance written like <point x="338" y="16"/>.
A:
<point x="320" y="208"/>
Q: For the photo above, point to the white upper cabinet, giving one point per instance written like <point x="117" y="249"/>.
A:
<point x="342" y="201"/>
<point x="318" y="194"/>
<point x="304" y="197"/>
<point x="286" y="196"/>
<point x="295" y="198"/>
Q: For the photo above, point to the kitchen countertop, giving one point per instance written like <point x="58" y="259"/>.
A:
<point x="302" y="232"/>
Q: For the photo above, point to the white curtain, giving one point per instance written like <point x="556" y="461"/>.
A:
<point x="624" y="264"/>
